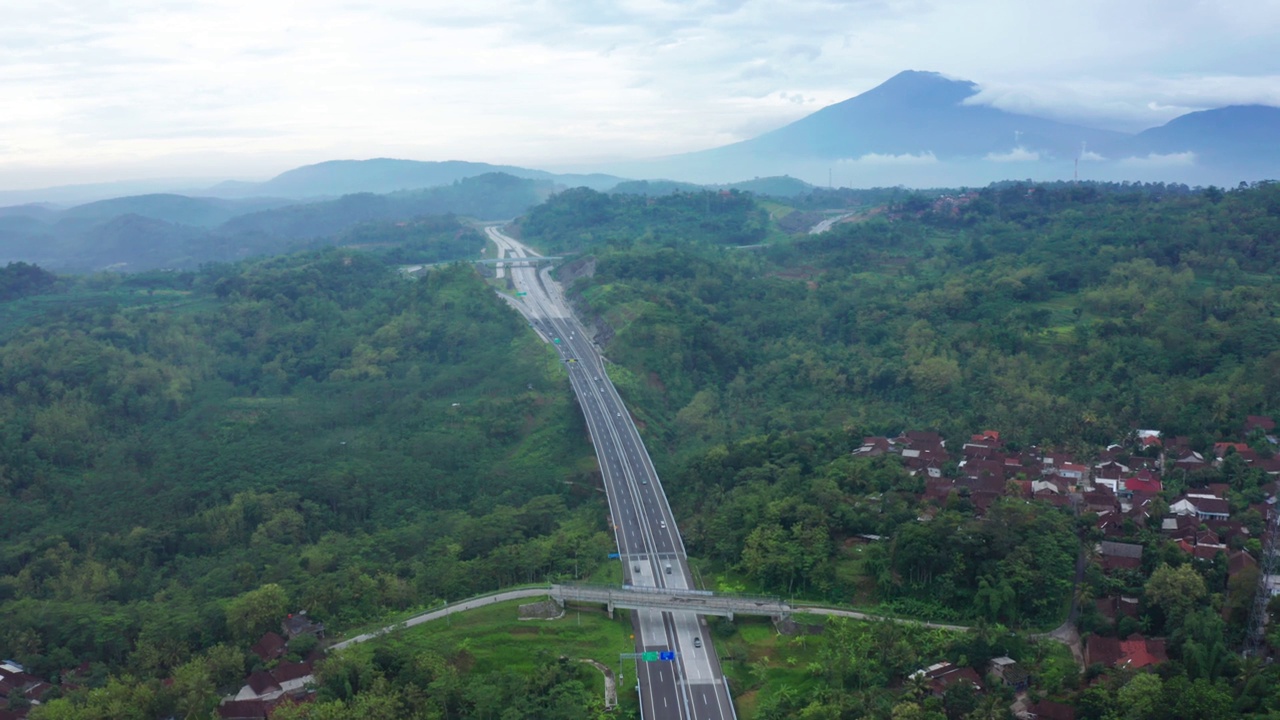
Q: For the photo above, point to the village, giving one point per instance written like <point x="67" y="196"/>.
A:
<point x="1214" y="506"/>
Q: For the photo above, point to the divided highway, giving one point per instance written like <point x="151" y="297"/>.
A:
<point x="652" y="552"/>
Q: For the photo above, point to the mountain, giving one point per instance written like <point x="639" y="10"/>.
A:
<point x="921" y="113"/>
<point x="489" y="196"/>
<point x="923" y="129"/>
<point x="172" y="231"/>
<point x="385" y="175"/>
<point x="1242" y="135"/>
<point x="177" y="209"/>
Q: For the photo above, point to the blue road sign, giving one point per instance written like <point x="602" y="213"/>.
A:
<point x="614" y="556"/>
<point x="666" y="655"/>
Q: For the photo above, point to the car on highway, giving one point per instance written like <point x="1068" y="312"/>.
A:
<point x="663" y="523"/>
<point x="697" y="642"/>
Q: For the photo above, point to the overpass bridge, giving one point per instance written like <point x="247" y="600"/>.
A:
<point x="702" y="602"/>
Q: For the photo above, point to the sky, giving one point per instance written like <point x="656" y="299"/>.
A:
<point x="105" y="90"/>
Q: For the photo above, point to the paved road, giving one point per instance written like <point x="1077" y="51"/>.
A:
<point x="652" y="552"/>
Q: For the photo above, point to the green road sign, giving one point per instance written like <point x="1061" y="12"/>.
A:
<point x="521" y="294"/>
<point x="557" y="340"/>
<point x="649" y="657"/>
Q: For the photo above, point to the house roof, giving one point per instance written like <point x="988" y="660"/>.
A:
<point x="1238" y="561"/>
<point x="1117" y="549"/>
<point x="244" y="709"/>
<point x="1210" y="505"/>
<point x="261" y="682"/>
<point x="1137" y="484"/>
<point x="1259" y="421"/>
<point x="1050" y="710"/>
<point x="287" y="671"/>
<point x="269" y="647"/>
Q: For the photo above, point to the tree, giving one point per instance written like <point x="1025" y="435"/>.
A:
<point x="1175" y="590"/>
<point x="1141" y="698"/>
<point x="257" y="611"/>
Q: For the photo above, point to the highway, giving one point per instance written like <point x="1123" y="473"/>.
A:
<point x="652" y="552"/>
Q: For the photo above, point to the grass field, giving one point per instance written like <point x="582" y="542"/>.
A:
<point x="497" y="641"/>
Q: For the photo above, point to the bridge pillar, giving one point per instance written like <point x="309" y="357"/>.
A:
<point x="610" y="609"/>
<point x="730" y="616"/>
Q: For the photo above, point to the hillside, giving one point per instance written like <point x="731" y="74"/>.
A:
<point x="311" y="429"/>
<point x="175" y="232"/>
<point x="387" y="175"/>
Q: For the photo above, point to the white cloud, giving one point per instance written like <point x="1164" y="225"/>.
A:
<point x="924" y="158"/>
<point x="1091" y="156"/>
<point x="1156" y="160"/>
<point x="1018" y="154"/>
<point x="155" y="86"/>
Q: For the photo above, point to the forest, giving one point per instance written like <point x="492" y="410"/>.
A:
<point x="184" y="456"/>
<point x="308" y="432"/>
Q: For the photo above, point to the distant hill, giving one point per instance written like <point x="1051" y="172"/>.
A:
<point x="178" y="209"/>
<point x="1245" y="135"/>
<point x="386" y="175"/>
<point x="172" y="231"/>
<point x="492" y="196"/>
<point x="777" y="186"/>
<point x="923" y="129"/>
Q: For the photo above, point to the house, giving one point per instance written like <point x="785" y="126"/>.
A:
<point x="873" y="447"/>
<point x="1258" y="422"/>
<point x="1238" y="562"/>
<point x="269" y="647"/>
<point x="1180" y="526"/>
<point x="1109" y="470"/>
<point x="1074" y="471"/>
<point x="1145" y="482"/>
<point x="287" y="679"/>
<point x="1049" y="710"/>
<point x="14" y="678"/>
<point x="943" y="675"/>
<point x="245" y="709"/>
<point x="1220" y="449"/>
<point x="1119" y="556"/>
<point x="299" y="624"/>
<point x="1010" y="673"/>
<point x="1204" y="507"/>
<point x="1189" y="461"/>
<point x="1133" y="652"/>
<point x="1101" y="501"/>
<point x="1113" y="607"/>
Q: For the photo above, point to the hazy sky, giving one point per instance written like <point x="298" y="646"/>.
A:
<point x="94" y="90"/>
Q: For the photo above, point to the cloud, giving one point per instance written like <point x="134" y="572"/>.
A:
<point x="1018" y="154"/>
<point x="535" y="82"/>
<point x="1156" y="160"/>
<point x="1092" y="156"/>
<point x="925" y="158"/>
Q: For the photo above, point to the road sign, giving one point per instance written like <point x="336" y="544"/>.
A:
<point x="666" y="655"/>
<point x="614" y="556"/>
<point x="521" y="294"/>
<point x="649" y="656"/>
<point x="557" y="341"/>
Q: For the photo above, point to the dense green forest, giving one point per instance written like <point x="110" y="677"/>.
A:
<point x="311" y="432"/>
<point x="181" y="451"/>
<point x="581" y="218"/>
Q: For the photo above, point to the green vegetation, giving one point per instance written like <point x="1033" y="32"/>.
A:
<point x="483" y="659"/>
<point x="581" y="219"/>
<point x="316" y="432"/>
